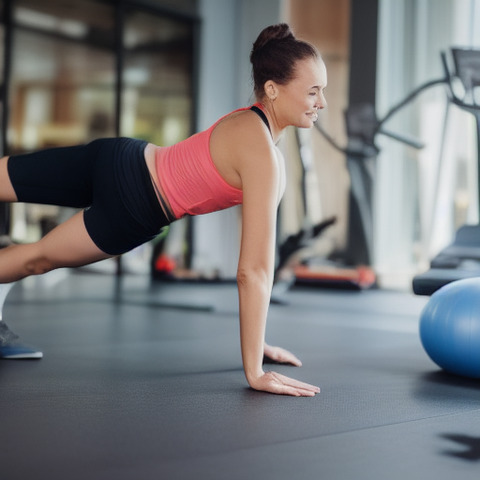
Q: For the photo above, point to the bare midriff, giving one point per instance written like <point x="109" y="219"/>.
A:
<point x="162" y="199"/>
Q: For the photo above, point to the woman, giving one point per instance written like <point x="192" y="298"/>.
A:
<point x="127" y="202"/>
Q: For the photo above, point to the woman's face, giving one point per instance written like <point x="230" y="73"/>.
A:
<point x="301" y="98"/>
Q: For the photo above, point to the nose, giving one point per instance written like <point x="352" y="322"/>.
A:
<point x="321" y="103"/>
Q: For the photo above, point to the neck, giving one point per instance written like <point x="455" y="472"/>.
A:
<point x="275" y="127"/>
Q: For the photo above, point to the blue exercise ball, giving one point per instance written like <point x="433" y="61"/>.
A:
<point x="450" y="327"/>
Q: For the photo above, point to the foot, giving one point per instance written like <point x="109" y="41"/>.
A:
<point x="11" y="347"/>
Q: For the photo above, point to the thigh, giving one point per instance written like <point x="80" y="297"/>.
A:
<point x="70" y="245"/>
<point x="58" y="176"/>
<point x="125" y="211"/>
<point x="7" y="193"/>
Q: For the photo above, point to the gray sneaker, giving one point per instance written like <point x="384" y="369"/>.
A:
<point x="11" y="347"/>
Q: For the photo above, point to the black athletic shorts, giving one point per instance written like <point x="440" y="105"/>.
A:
<point x="109" y="178"/>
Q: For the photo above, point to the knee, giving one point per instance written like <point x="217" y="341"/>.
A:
<point x="38" y="266"/>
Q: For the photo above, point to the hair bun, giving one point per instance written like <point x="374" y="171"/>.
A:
<point x="277" y="32"/>
<point x="274" y="56"/>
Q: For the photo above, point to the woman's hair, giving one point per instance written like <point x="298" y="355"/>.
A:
<point x="274" y="55"/>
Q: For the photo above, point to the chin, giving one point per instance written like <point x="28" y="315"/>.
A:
<point x="308" y="123"/>
<point x="305" y="121"/>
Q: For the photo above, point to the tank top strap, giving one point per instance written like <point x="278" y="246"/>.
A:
<point x="262" y="115"/>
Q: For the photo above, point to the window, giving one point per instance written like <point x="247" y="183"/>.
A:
<point x="63" y="74"/>
<point x="157" y="78"/>
<point x="86" y="69"/>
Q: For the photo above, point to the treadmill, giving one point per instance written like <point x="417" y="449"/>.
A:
<point x="460" y="259"/>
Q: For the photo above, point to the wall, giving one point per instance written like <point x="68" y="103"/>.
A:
<point x="417" y="197"/>
<point x="324" y="23"/>
<point x="228" y="30"/>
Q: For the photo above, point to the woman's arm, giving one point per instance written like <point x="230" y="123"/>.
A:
<point x="259" y="171"/>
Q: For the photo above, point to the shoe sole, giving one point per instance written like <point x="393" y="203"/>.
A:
<point x="20" y="356"/>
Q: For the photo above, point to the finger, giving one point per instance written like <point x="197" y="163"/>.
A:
<point x="291" y="382"/>
<point x="292" y="391"/>
<point x="284" y="356"/>
<point x="307" y="392"/>
<point x="302" y="386"/>
<point x="293" y="360"/>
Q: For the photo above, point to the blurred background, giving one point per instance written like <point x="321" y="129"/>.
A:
<point x="72" y="71"/>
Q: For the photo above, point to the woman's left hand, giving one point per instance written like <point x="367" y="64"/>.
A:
<point x="280" y="355"/>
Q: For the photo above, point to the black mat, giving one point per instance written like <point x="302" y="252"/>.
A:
<point x="131" y="390"/>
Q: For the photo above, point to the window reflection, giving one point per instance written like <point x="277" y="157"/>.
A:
<point x="62" y="89"/>
<point x="85" y="20"/>
<point x="64" y="81"/>
<point x="157" y="99"/>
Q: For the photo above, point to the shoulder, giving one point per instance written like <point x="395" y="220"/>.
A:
<point x="243" y="136"/>
<point x="242" y="127"/>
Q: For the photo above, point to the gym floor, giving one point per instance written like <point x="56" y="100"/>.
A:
<point x="144" y="381"/>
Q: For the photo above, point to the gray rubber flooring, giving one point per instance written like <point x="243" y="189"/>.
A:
<point x="144" y="381"/>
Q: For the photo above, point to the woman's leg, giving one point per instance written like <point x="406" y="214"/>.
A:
<point x="68" y="245"/>
<point x="11" y="346"/>
<point x="7" y="193"/>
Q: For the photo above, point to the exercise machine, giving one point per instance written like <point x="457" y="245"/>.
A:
<point x="460" y="259"/>
<point x="351" y="267"/>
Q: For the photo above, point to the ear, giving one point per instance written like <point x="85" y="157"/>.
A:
<point x="271" y="90"/>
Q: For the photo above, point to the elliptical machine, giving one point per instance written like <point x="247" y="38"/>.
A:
<point x="350" y="268"/>
<point x="460" y="259"/>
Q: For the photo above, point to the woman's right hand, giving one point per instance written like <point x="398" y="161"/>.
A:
<point x="274" y="382"/>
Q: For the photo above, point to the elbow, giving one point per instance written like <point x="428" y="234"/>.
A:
<point x="253" y="277"/>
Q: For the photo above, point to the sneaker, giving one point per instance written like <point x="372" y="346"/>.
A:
<point x="12" y="347"/>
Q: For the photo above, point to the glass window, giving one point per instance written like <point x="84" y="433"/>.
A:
<point x="64" y="85"/>
<point x="62" y="88"/>
<point x="63" y="74"/>
<point x="157" y="79"/>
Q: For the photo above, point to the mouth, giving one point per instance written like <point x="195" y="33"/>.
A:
<point x="313" y="116"/>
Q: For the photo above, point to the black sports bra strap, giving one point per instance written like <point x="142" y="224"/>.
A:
<point x="260" y="113"/>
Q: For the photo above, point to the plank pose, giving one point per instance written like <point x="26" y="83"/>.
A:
<point x="129" y="189"/>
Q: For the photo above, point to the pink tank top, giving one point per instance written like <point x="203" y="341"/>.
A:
<point x="189" y="179"/>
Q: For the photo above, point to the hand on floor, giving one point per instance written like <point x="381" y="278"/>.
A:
<point x="273" y="382"/>
<point x="280" y="355"/>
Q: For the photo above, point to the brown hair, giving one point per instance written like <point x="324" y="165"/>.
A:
<point x="274" y="55"/>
